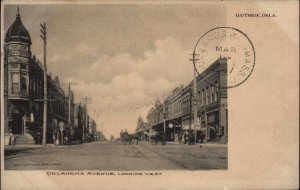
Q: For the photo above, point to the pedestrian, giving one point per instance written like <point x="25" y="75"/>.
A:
<point x="191" y="138"/>
<point x="202" y="136"/>
<point x="185" y="137"/>
<point x="13" y="140"/>
<point x="163" y="138"/>
<point x="122" y="136"/>
<point x="156" y="137"/>
<point x="65" y="137"/>
<point x="179" y="137"/>
<point x="39" y="138"/>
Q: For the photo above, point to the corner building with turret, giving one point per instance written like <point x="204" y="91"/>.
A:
<point x="24" y="92"/>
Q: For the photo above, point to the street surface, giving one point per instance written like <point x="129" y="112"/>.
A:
<point x="105" y="156"/>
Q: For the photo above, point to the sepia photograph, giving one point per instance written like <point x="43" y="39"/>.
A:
<point x="90" y="84"/>
<point x="114" y="92"/>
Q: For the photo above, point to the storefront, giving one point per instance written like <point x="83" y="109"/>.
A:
<point x="186" y="123"/>
<point x="214" y="129"/>
<point x="173" y="129"/>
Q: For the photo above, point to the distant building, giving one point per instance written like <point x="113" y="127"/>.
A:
<point x="142" y="129"/>
<point x="92" y="127"/>
<point x="78" y="122"/>
<point x="69" y="114"/>
<point x="174" y="113"/>
<point x="99" y="136"/>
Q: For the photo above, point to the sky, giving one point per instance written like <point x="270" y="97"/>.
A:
<point x="124" y="57"/>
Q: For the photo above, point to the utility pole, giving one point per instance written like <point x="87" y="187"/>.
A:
<point x="69" y="105"/>
<point x="194" y="59"/>
<point x="86" y="99"/>
<point x="164" y="117"/>
<point x="44" y="38"/>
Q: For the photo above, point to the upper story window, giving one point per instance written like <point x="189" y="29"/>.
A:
<point x="14" y="65"/>
<point x="199" y="97"/>
<point x="207" y="95"/>
<point x="203" y="96"/>
<point x="23" y="66"/>
<point x="15" y="83"/>
<point x="216" y="91"/>
<point x="23" y="83"/>
<point x="212" y="92"/>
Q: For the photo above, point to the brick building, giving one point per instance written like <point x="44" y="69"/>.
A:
<point x="23" y="90"/>
<point x="175" y="114"/>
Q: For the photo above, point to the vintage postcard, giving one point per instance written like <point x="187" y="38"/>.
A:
<point x="149" y="94"/>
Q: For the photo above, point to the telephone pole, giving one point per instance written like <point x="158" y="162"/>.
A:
<point x="69" y="104"/>
<point x="194" y="59"/>
<point x="44" y="38"/>
<point x="86" y="99"/>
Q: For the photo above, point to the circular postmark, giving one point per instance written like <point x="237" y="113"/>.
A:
<point x="226" y="43"/>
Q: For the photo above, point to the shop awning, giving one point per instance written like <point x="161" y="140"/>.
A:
<point x="185" y="127"/>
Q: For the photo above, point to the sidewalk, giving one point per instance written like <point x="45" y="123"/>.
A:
<point x="197" y="144"/>
<point x="33" y="146"/>
<point x="11" y="149"/>
<point x="21" y="146"/>
<point x="210" y="144"/>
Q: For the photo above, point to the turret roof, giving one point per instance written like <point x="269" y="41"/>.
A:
<point x="17" y="31"/>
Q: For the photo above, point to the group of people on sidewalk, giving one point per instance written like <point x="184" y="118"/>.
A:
<point x="158" y="136"/>
<point x="184" y="137"/>
<point x="187" y="137"/>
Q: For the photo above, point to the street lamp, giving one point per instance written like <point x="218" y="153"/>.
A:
<point x="171" y="126"/>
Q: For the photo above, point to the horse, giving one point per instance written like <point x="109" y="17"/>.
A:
<point x="128" y="138"/>
<point x="154" y="138"/>
<point x="135" y="137"/>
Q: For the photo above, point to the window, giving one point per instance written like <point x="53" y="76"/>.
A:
<point x="203" y="96"/>
<point x="23" y="66"/>
<point x="15" y="66"/>
<point x="15" y="83"/>
<point x="212" y="93"/>
<point x="15" y="88"/>
<point x="207" y="95"/>
<point x="23" y="83"/>
<point x="15" y="78"/>
<point x="216" y="91"/>
<point x="200" y="98"/>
